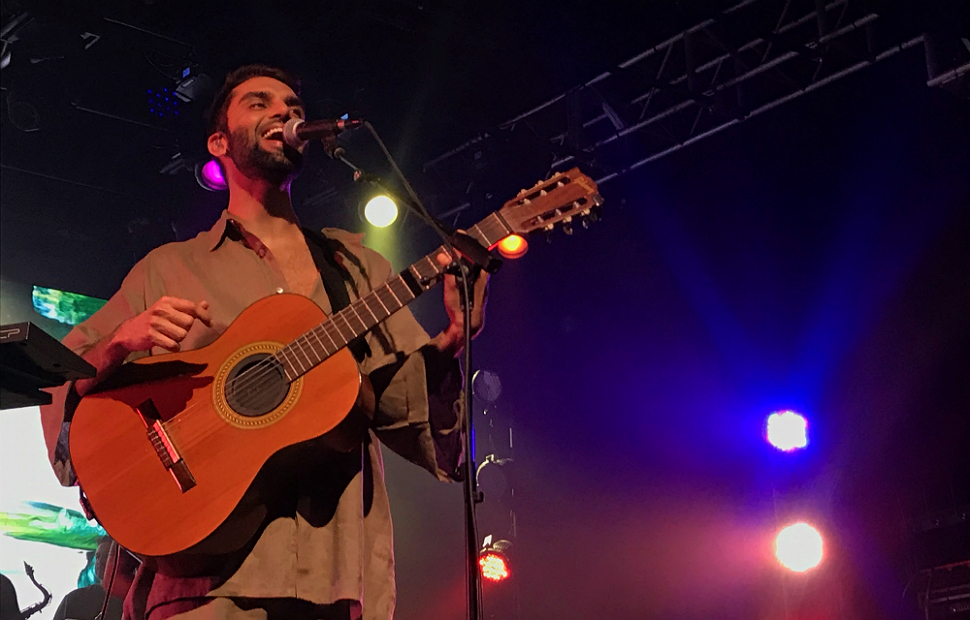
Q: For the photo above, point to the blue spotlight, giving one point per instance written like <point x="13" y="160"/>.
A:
<point x="787" y="430"/>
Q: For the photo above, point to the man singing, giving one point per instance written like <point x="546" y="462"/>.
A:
<point x="323" y="545"/>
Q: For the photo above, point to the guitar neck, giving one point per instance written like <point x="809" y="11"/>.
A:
<point x="300" y="356"/>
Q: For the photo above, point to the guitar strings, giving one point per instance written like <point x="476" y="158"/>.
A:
<point x="262" y="372"/>
<point x="260" y="375"/>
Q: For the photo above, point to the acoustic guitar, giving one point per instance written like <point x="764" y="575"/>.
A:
<point x="168" y="445"/>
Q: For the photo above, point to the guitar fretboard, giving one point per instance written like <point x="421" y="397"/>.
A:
<point x="316" y="345"/>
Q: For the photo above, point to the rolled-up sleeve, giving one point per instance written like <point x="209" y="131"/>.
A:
<point x="128" y="302"/>
<point x="418" y="411"/>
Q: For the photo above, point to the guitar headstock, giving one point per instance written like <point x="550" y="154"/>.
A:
<point x="561" y="199"/>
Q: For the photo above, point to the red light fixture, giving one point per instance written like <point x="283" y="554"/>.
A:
<point x="493" y="561"/>
<point x="494" y="566"/>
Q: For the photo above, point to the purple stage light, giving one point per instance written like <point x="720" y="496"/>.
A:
<point x="787" y="430"/>
<point x="210" y="176"/>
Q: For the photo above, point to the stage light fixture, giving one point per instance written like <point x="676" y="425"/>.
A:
<point x="210" y="176"/>
<point x="787" y="430"/>
<point x="492" y="476"/>
<point x="486" y="385"/>
<point x="798" y="547"/>
<point x="380" y="211"/>
<point x="194" y="87"/>
<point x="22" y="112"/>
<point x="513" y="246"/>
<point x="493" y="560"/>
<point x="162" y="103"/>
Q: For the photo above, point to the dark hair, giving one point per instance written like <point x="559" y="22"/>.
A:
<point x="216" y="117"/>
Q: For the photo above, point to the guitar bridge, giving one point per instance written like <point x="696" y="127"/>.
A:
<point x="164" y="448"/>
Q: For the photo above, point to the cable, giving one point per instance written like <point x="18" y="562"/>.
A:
<point x="471" y="492"/>
<point x="116" y="548"/>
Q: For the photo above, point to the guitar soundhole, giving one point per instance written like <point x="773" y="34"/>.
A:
<point x="256" y="385"/>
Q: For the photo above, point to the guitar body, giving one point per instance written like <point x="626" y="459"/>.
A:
<point x="167" y="447"/>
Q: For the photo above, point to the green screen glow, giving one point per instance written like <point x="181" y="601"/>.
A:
<point x="64" y="307"/>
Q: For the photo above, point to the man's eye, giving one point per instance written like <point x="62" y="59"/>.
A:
<point x="258" y="104"/>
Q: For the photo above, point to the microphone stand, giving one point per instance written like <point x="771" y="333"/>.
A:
<point x="458" y="245"/>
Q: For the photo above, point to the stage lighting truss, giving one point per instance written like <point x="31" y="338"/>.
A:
<point x="750" y="58"/>
<point x="943" y="592"/>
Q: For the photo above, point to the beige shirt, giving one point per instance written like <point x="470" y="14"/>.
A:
<point x="328" y="536"/>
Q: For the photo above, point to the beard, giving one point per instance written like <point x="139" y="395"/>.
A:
<point x="276" y="167"/>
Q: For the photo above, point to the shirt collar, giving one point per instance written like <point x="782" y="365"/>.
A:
<point x="217" y="234"/>
<point x="229" y="227"/>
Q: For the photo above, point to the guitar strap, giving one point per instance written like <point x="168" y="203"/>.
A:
<point x="335" y="278"/>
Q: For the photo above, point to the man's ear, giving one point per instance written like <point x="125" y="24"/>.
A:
<point x="218" y="144"/>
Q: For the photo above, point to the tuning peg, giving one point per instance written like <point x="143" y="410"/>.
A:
<point x="567" y="225"/>
<point x="594" y="215"/>
<point x="585" y="222"/>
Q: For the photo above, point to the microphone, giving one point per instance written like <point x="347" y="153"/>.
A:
<point x="297" y="132"/>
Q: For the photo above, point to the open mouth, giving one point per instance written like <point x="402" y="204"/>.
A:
<point x="275" y="134"/>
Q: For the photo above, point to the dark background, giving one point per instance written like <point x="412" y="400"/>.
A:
<point x="815" y="257"/>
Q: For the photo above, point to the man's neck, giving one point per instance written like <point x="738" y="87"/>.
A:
<point x="263" y="208"/>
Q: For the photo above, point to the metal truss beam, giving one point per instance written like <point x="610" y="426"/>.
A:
<point x="751" y="58"/>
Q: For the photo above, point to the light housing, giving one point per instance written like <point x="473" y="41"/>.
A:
<point x="493" y="560"/>
<point x="210" y="176"/>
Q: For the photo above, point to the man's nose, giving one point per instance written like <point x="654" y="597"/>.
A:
<point x="282" y="111"/>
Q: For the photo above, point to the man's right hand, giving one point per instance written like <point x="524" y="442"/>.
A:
<point x="165" y="324"/>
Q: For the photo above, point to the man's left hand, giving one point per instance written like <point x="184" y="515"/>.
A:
<point x="451" y="340"/>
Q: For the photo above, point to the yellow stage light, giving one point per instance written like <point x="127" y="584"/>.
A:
<point x="380" y="211"/>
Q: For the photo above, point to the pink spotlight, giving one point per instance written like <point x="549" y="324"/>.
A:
<point x="210" y="176"/>
<point x="787" y="430"/>
<point x="798" y="547"/>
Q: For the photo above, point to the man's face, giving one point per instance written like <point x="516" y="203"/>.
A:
<point x="258" y="109"/>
